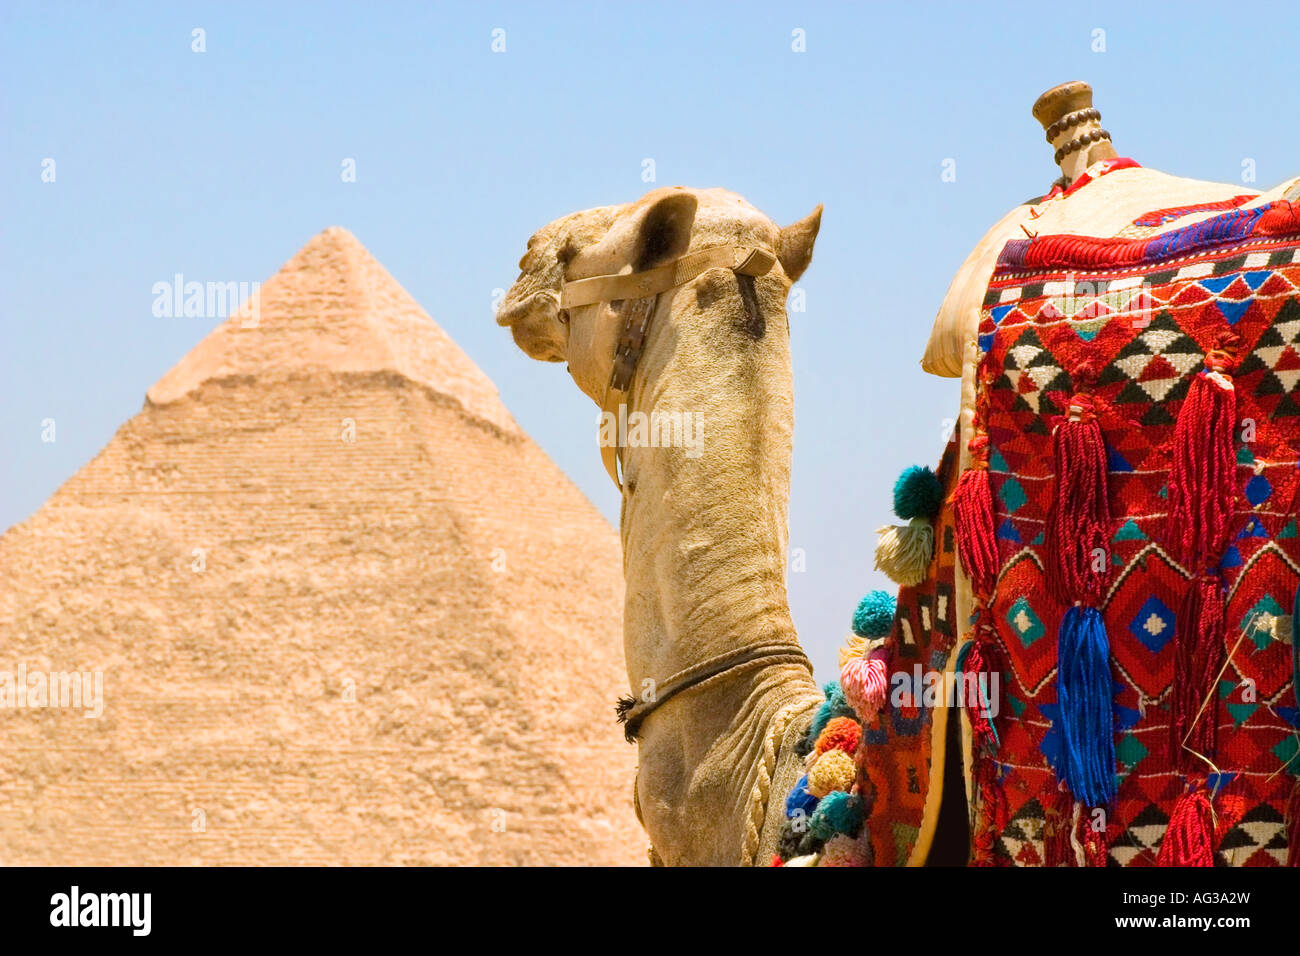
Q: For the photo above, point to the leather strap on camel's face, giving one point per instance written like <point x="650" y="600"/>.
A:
<point x="634" y="296"/>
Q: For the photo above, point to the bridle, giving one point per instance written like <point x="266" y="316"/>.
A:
<point x="634" y="295"/>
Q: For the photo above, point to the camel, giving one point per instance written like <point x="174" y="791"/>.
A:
<point x="704" y="530"/>
<point x="675" y="304"/>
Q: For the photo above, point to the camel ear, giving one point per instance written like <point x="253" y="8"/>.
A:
<point x="664" y="232"/>
<point x="795" y="247"/>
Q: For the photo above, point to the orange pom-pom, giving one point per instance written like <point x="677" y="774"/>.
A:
<point x="841" y="733"/>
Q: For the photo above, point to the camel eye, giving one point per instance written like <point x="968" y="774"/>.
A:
<point x="566" y="253"/>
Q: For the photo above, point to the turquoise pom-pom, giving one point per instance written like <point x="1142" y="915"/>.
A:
<point x="875" y="615"/>
<point x="838" y="812"/>
<point x="834" y="706"/>
<point x="917" y="493"/>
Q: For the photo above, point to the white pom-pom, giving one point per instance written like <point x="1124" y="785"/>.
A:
<point x="904" y="551"/>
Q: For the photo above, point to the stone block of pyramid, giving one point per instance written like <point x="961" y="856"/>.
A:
<point x="344" y="609"/>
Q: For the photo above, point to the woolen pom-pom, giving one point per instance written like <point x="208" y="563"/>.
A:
<point x="865" y="681"/>
<point x="809" y="843"/>
<point x="834" y="706"/>
<point x="875" y="615"/>
<point x="800" y="799"/>
<point x="843" y="851"/>
<point x="833" y="770"/>
<point x="917" y="494"/>
<point x="840" y="812"/>
<point x="842" y="733"/>
<point x="904" y="553"/>
<point x="788" y="845"/>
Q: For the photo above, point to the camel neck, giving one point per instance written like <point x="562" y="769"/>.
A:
<point x="704" y="554"/>
<point x="704" y="521"/>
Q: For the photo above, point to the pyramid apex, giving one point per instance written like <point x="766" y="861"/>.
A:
<point x="336" y="237"/>
<point x="333" y="308"/>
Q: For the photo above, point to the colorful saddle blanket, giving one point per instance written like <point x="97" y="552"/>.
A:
<point x="1130" y="532"/>
<point x="1184" y="350"/>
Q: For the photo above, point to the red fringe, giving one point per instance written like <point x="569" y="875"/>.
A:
<point x="982" y="660"/>
<point x="1198" y="657"/>
<point x="1078" y="522"/>
<point x="1096" y="845"/>
<point x="1189" y="838"/>
<point x="992" y="816"/>
<point x="972" y="502"/>
<point x="1203" y="478"/>
<point x="1058" y="810"/>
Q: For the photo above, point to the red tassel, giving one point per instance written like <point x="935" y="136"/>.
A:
<point x="1078" y="522"/>
<point x="1096" y="848"/>
<point x="981" y="662"/>
<point x="991" y="817"/>
<point x="1198" y="657"/>
<point x="1203" y="478"/>
<point x="1189" y="838"/>
<point x="1058" y="813"/>
<point x="972" y="502"/>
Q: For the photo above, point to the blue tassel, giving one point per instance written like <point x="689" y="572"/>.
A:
<point x="1084" y="693"/>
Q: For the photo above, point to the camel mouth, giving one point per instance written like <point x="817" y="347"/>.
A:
<point x="516" y="310"/>
<point x="533" y="318"/>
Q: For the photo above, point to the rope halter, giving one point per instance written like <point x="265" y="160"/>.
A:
<point x="637" y="293"/>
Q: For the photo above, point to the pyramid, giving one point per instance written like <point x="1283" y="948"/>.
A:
<point x="345" y="612"/>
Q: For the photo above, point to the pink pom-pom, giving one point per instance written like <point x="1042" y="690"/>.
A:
<point x="843" y="851"/>
<point x="864" y="682"/>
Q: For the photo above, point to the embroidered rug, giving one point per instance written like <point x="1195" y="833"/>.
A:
<point x="1138" y="396"/>
<point x="1117" y="332"/>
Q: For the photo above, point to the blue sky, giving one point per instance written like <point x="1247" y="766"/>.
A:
<point x="221" y="164"/>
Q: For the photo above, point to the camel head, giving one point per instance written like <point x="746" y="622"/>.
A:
<point x="662" y="225"/>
